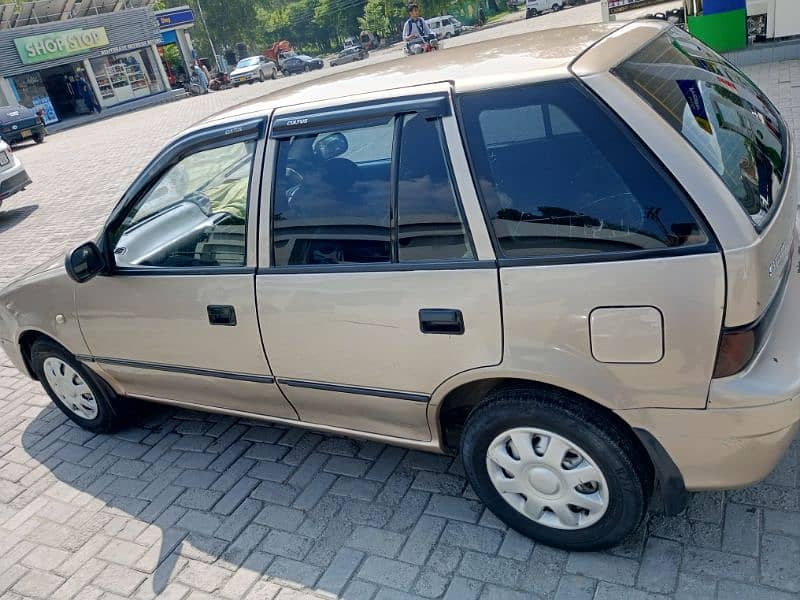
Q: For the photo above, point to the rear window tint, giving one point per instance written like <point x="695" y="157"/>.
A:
<point x="720" y="112"/>
<point x="559" y="177"/>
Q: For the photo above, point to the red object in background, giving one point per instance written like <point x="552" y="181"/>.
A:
<point x="277" y="49"/>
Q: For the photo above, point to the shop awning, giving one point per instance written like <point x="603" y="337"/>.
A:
<point x="46" y="11"/>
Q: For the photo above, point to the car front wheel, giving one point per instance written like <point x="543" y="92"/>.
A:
<point x="79" y="394"/>
<point x="556" y="468"/>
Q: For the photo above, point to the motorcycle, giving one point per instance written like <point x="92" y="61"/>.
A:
<point x="427" y="43"/>
<point x="192" y="86"/>
<point x="220" y="81"/>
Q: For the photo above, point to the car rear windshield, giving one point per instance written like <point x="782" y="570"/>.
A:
<point x="720" y="112"/>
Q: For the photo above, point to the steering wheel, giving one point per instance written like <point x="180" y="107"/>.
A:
<point x="293" y="177"/>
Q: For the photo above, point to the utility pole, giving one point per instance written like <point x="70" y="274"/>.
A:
<point x="208" y="33"/>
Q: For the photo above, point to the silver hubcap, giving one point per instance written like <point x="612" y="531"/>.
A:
<point x="547" y="478"/>
<point x="70" y="388"/>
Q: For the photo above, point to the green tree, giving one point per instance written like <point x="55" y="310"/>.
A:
<point x="383" y="17"/>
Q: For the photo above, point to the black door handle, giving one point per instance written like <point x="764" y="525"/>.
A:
<point x="221" y="314"/>
<point x="447" y="321"/>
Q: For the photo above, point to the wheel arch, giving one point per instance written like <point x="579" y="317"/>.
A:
<point x="450" y="409"/>
<point x="25" y="342"/>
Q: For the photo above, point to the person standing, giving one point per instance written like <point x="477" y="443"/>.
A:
<point x="201" y="77"/>
<point x="85" y="92"/>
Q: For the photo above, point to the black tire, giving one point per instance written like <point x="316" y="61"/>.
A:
<point x="235" y="85"/>
<point x="556" y="7"/>
<point x="306" y="69"/>
<point x="623" y="463"/>
<point x="261" y="77"/>
<point x="38" y="138"/>
<point x="111" y="410"/>
<point x="274" y="74"/>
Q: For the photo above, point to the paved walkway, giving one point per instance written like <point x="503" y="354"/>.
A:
<point x="192" y="505"/>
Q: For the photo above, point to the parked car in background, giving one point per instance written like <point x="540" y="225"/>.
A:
<point x="301" y="63"/>
<point x="535" y="8"/>
<point x="252" y="69"/>
<point x="351" y="42"/>
<point x="377" y="254"/>
<point x="13" y="177"/>
<point x="349" y="55"/>
<point x="19" y="124"/>
<point x="445" y="27"/>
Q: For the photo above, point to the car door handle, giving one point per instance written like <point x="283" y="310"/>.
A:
<point x="221" y="314"/>
<point x="447" y="321"/>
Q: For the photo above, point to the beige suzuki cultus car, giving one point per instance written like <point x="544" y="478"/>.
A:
<point x="570" y="257"/>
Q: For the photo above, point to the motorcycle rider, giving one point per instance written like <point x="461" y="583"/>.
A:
<point x="415" y="29"/>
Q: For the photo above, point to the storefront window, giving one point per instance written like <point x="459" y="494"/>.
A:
<point x="126" y="76"/>
<point x="31" y="92"/>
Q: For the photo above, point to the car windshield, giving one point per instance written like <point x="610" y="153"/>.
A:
<point x="720" y="112"/>
<point x="248" y="62"/>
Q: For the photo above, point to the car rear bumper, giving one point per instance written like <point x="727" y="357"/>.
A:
<point x="722" y="448"/>
<point x="751" y="418"/>
<point x="24" y="134"/>
<point x="12" y="182"/>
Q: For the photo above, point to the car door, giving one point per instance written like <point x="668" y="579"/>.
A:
<point x="175" y="320"/>
<point x="374" y="288"/>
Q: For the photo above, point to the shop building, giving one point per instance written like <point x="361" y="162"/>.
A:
<point x="66" y="67"/>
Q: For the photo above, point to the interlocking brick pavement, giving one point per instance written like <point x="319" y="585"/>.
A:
<point x="192" y="505"/>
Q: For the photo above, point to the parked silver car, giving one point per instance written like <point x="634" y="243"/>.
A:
<point x="572" y="258"/>
<point x="13" y="177"/>
<point x="348" y="55"/>
<point x="252" y="69"/>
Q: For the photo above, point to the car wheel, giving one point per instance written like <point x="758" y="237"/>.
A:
<point x="306" y="69"/>
<point x="80" y="395"/>
<point x="556" y="7"/>
<point x="274" y="74"/>
<point x="556" y="468"/>
<point x="447" y="35"/>
<point x="38" y="138"/>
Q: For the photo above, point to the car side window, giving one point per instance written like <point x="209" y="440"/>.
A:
<point x="332" y="197"/>
<point x="357" y="196"/>
<point x="431" y="225"/>
<point x="195" y="215"/>
<point x="558" y="176"/>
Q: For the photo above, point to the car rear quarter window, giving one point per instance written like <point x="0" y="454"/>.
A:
<point x="560" y="176"/>
<point x="720" y="112"/>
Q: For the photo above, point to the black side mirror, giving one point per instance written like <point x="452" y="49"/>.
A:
<point x="84" y="262"/>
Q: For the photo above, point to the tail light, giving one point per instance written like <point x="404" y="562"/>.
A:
<point x="736" y="348"/>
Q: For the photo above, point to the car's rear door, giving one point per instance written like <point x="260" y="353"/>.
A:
<point x="176" y="319"/>
<point x="373" y="287"/>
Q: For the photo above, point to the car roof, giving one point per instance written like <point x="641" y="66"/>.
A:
<point x="520" y="58"/>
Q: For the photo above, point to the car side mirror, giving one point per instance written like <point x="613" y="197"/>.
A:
<point x="85" y="262"/>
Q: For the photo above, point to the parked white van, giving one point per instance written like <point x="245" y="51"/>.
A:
<point x="533" y="8"/>
<point x="444" y="27"/>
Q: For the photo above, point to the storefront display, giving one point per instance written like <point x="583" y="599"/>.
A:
<point x="123" y="77"/>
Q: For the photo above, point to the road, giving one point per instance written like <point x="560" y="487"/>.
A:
<point x="188" y="505"/>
